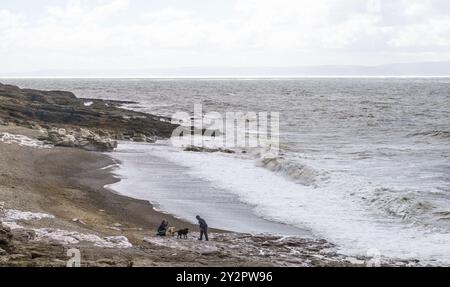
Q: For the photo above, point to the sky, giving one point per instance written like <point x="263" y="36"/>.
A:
<point x="57" y="36"/>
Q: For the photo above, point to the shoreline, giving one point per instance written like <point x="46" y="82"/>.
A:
<point x="53" y="196"/>
<point x="68" y="183"/>
<point x="72" y="168"/>
<point x="171" y="188"/>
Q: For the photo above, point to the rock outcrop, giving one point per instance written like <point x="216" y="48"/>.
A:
<point x="69" y="121"/>
<point x="5" y="239"/>
<point x="209" y="150"/>
<point x="81" y="138"/>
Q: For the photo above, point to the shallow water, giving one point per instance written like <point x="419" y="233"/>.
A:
<point x="172" y="189"/>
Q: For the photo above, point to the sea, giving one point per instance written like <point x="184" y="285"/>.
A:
<point x="362" y="162"/>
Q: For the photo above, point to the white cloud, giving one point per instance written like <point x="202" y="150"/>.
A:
<point x="74" y="12"/>
<point x="435" y="33"/>
<point x="8" y="19"/>
<point x="80" y="34"/>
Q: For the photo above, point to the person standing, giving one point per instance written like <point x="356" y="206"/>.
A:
<point x="203" y="228"/>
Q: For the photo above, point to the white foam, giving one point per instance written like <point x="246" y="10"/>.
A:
<point x="88" y="104"/>
<point x="329" y="209"/>
<point x="185" y="196"/>
<point x="21" y="140"/>
<point x="410" y="206"/>
<point x="110" y="166"/>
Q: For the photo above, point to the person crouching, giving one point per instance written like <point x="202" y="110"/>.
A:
<point x="162" y="229"/>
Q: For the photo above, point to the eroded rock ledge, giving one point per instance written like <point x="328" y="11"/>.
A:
<point x="68" y="121"/>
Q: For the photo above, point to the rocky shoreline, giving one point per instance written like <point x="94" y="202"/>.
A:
<point x="65" y="120"/>
<point x="53" y="200"/>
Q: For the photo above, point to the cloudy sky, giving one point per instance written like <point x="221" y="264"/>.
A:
<point x="128" y="35"/>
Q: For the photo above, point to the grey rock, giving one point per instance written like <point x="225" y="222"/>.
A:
<point x="23" y="235"/>
<point x="139" y="138"/>
<point x="82" y="138"/>
<point x="5" y="237"/>
<point x="61" y="113"/>
<point x="209" y="150"/>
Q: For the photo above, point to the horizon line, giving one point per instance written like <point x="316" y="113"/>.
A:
<point x="228" y="77"/>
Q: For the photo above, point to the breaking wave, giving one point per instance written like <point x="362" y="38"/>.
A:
<point x="434" y="134"/>
<point x="404" y="204"/>
<point x="412" y="207"/>
<point x="297" y="172"/>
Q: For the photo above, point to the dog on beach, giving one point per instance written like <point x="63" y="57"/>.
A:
<point x="183" y="233"/>
<point x="171" y="231"/>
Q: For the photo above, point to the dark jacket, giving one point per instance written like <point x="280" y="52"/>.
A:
<point x="162" y="227"/>
<point x="202" y="223"/>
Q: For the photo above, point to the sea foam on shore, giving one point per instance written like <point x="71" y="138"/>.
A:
<point x="170" y="188"/>
<point x="336" y="216"/>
